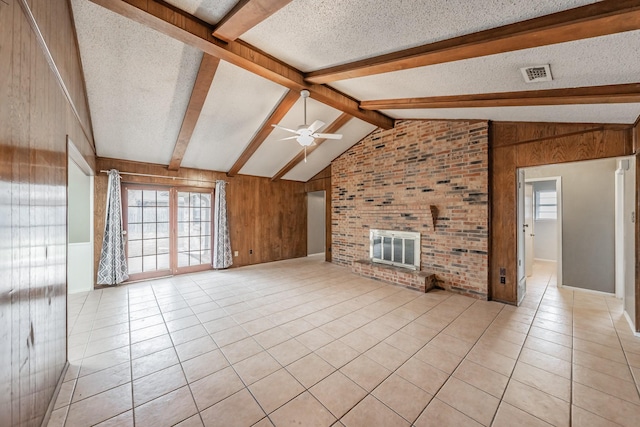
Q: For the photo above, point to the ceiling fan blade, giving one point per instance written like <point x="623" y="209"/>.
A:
<point x="315" y="126"/>
<point x="284" y="128"/>
<point x="327" y="135"/>
<point x="289" y="137"/>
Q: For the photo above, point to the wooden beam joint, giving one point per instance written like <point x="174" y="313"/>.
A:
<point x="246" y="15"/>
<point x="193" y="32"/>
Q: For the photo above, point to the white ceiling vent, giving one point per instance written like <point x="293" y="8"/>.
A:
<point x="537" y="73"/>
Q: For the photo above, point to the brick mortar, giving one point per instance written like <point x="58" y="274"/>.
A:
<point x="388" y="181"/>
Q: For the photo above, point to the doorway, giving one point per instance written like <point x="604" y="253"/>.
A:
<point x="168" y="230"/>
<point x="542" y="229"/>
<point x="574" y="223"/>
<point x="316" y="224"/>
<point x="80" y="222"/>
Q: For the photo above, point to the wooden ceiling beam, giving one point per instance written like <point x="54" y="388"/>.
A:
<point x="201" y="87"/>
<point x="276" y="116"/>
<point x="332" y="128"/>
<point x="190" y="30"/>
<point x="246" y="15"/>
<point x="593" y="20"/>
<point x="610" y="94"/>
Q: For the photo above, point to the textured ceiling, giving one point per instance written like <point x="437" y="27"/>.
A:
<point x="274" y="154"/>
<point x="236" y="106"/>
<point x="352" y="132"/>
<point x="599" y="61"/>
<point x="139" y="81"/>
<point x="312" y="34"/>
<point x="138" y="84"/>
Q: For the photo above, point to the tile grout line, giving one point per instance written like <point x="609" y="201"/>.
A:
<point x="320" y="296"/>
<point x="335" y="339"/>
<point x="164" y="323"/>
<point x="546" y="287"/>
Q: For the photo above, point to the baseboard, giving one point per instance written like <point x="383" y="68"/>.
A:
<point x="317" y="254"/>
<point x="631" y="326"/>
<point x="545" y="260"/>
<point x="47" y="415"/>
<point x="589" y="291"/>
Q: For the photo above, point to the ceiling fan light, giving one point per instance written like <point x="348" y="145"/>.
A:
<point x="305" y="140"/>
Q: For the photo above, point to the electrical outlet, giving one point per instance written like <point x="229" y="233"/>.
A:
<point x="250" y="251"/>
<point x="503" y="280"/>
<point x="235" y="253"/>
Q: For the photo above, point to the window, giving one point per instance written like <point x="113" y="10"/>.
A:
<point x="168" y="230"/>
<point x="546" y="205"/>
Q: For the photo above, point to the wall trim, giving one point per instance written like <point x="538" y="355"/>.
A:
<point x="558" y="180"/>
<point x="589" y="291"/>
<point x="56" y="392"/>
<point x="633" y="331"/>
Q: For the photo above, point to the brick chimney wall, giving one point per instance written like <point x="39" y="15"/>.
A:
<point x="390" y="179"/>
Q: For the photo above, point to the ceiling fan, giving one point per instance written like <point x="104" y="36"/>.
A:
<point x="307" y="134"/>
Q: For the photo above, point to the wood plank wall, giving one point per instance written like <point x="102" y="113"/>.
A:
<point x="322" y="182"/>
<point x="266" y="218"/>
<point x="36" y="115"/>
<point x="518" y="145"/>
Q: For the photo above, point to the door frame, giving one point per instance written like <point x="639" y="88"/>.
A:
<point x="173" y="233"/>
<point x="324" y="221"/>
<point x="173" y="269"/>
<point x="124" y="187"/>
<point x="529" y="211"/>
<point x="558" y="180"/>
<point x="74" y="155"/>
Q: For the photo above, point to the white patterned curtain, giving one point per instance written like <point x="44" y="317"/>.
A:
<point x="221" y="242"/>
<point x="113" y="260"/>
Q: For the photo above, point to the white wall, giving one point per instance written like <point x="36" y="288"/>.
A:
<point x="588" y="218"/>
<point x="546" y="231"/>
<point x="315" y="222"/>
<point x="80" y="225"/>
<point x="79" y="205"/>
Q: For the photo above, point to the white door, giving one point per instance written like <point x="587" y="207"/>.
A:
<point x="522" y="278"/>
<point x="528" y="229"/>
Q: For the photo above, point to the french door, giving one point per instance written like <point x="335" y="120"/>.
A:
<point x="168" y="230"/>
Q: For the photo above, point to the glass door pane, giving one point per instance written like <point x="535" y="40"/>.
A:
<point x="194" y="229"/>
<point x="147" y="224"/>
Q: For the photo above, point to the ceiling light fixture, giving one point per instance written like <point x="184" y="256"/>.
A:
<point x="307" y="134"/>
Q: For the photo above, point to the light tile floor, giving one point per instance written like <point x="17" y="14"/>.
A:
<point x="306" y="343"/>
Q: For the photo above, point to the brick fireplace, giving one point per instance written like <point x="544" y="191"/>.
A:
<point x="429" y="177"/>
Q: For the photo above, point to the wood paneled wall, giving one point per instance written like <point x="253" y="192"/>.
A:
<point x="36" y="115"/>
<point x="518" y="145"/>
<point x="322" y="182"/>
<point x="266" y="218"/>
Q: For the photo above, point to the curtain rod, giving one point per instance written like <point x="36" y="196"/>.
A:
<point x="164" y="177"/>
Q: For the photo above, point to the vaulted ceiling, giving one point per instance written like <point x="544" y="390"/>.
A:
<point x="198" y="83"/>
